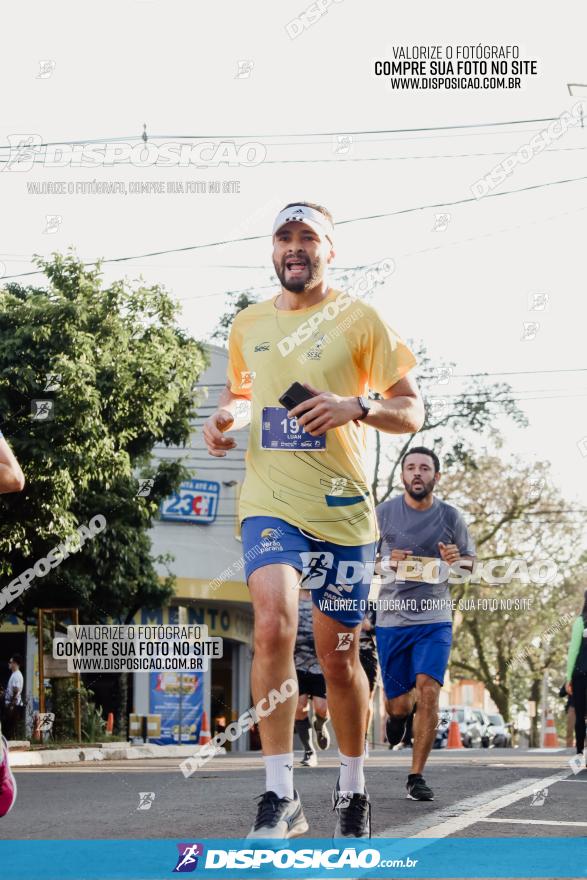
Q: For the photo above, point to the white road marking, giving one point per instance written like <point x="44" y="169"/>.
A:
<point x="535" y="822"/>
<point x="423" y="822"/>
<point x="492" y="805"/>
<point x="472" y="810"/>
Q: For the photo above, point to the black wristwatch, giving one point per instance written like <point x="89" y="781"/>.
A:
<point x="365" y="406"/>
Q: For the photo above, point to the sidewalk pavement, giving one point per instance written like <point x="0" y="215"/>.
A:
<point x="118" y="751"/>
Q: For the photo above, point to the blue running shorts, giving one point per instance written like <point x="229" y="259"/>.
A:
<point x="406" y="651"/>
<point x="338" y="577"/>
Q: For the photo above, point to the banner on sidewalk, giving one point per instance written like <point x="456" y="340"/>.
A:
<point x="178" y="697"/>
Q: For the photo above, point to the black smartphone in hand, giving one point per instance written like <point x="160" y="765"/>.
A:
<point x="295" y="394"/>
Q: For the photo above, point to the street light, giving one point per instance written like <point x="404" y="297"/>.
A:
<point x="578" y="90"/>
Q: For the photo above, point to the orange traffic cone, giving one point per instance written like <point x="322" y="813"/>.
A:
<point x="550" y="734"/>
<point x="205" y="735"/>
<point x="454" y="733"/>
<point x="110" y="724"/>
<point x="37" y="728"/>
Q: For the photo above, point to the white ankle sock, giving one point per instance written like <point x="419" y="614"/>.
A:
<point x="279" y="774"/>
<point x="352" y="777"/>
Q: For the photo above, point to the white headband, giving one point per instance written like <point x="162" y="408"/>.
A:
<point x="309" y="217"/>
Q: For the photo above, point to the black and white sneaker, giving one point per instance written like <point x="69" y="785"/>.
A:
<point x="309" y="759"/>
<point x="322" y="733"/>
<point x="353" y="813"/>
<point x="278" y="817"/>
<point x="417" y="788"/>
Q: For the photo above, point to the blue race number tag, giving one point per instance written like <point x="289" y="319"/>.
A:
<point x="281" y="434"/>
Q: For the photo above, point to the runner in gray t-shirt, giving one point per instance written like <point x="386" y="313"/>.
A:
<point x="311" y="686"/>
<point x="405" y="601"/>
<point x="421" y="537"/>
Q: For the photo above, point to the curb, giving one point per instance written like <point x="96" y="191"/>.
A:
<point x="118" y="752"/>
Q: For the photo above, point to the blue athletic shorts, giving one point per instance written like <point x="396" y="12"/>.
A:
<point x="338" y="577"/>
<point x="406" y="651"/>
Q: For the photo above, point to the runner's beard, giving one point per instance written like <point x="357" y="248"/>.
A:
<point x="299" y="285"/>
<point x="421" y="492"/>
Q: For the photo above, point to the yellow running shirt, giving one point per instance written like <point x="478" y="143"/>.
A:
<point x="339" y="345"/>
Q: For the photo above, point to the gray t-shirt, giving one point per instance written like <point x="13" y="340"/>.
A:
<point x="305" y="658"/>
<point x="411" y="602"/>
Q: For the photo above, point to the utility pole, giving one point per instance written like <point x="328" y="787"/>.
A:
<point x="543" y="708"/>
<point x="182" y="619"/>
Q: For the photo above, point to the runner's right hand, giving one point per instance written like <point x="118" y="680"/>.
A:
<point x="214" y="438"/>
<point x="397" y="556"/>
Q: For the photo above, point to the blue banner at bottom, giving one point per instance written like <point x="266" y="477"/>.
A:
<point x="229" y="858"/>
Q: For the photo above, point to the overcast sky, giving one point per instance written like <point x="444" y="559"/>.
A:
<point x="466" y="290"/>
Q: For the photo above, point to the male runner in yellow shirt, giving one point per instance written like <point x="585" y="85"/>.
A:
<point x="305" y="505"/>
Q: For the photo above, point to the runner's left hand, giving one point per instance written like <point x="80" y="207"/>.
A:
<point x="325" y="411"/>
<point x="449" y="552"/>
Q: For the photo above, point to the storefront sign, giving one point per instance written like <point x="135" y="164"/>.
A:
<point x="196" y="501"/>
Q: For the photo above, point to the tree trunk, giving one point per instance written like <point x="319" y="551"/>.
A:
<point x="121" y="705"/>
<point x="501" y="697"/>
<point x="535" y="694"/>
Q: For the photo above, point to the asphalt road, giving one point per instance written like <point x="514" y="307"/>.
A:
<point x="479" y="793"/>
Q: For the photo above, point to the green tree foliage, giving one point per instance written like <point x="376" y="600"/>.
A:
<point x="127" y="373"/>
<point x="239" y="300"/>
<point x="515" y="513"/>
<point x="452" y="420"/>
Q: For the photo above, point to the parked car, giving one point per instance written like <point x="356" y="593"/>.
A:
<point x="474" y="725"/>
<point x="484" y="727"/>
<point x="473" y="728"/>
<point x="499" y="732"/>
<point x="441" y="738"/>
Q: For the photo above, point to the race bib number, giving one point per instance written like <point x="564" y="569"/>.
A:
<point x="421" y="569"/>
<point x="280" y="434"/>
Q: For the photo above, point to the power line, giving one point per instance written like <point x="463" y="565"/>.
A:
<point x="453" y="375"/>
<point x="519" y="372"/>
<point x="134" y="137"/>
<point x="340" y="159"/>
<point x="471" y="396"/>
<point x="417" y="253"/>
<point x="400" y="158"/>
<point x="484" y="392"/>
<point x="454" y="202"/>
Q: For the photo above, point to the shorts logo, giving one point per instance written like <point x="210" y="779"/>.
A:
<point x="316" y="566"/>
<point x="187" y="860"/>
<point x="269" y="542"/>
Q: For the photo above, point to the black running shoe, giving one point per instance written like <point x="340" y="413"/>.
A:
<point x="395" y="729"/>
<point x="417" y="789"/>
<point x="278" y="817"/>
<point x="322" y="733"/>
<point x="353" y="813"/>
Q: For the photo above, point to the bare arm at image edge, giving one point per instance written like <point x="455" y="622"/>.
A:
<point x="11" y="475"/>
